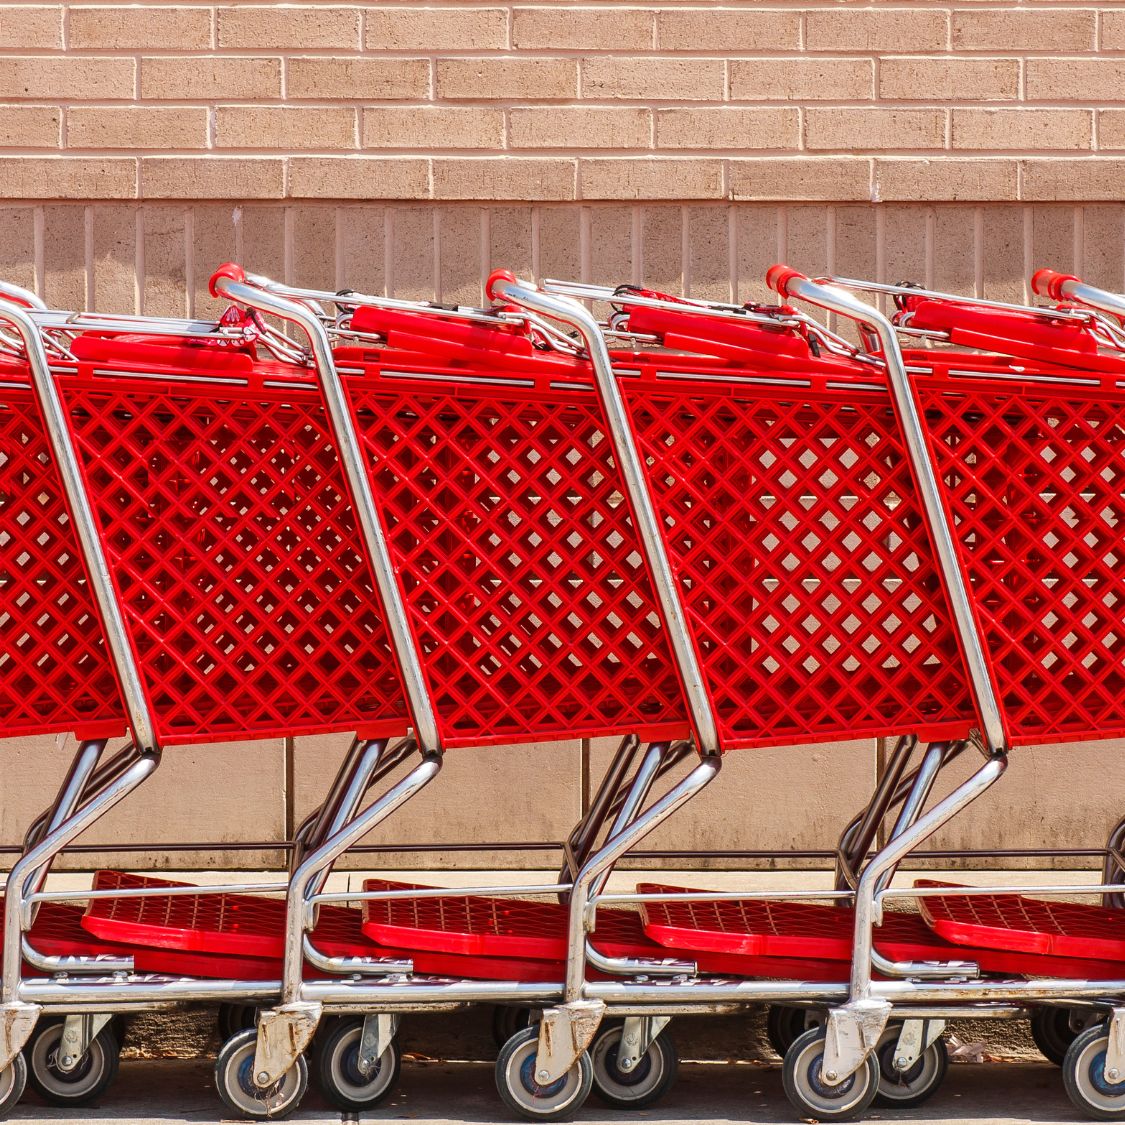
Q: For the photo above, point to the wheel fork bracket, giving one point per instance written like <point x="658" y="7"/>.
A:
<point x="637" y="1036"/>
<point x="79" y="1031"/>
<point x="564" y="1033"/>
<point x="914" y="1039"/>
<point x="379" y="1030"/>
<point x="17" y="1022"/>
<point x="1115" y="1048"/>
<point x="852" y="1033"/>
<point x="283" y="1033"/>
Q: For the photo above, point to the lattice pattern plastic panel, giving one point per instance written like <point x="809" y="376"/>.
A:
<point x="815" y="937"/>
<point x="1033" y="483"/>
<point x="527" y="591"/>
<point x="792" y="522"/>
<point x="54" y="670"/>
<point x="57" y="932"/>
<point x="246" y="591"/>
<point x="1029" y="925"/>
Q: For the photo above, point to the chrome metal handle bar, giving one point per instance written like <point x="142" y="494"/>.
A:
<point x="85" y="525"/>
<point x="1101" y="299"/>
<point x="838" y="301"/>
<point x="367" y="515"/>
<point x="17" y="293"/>
<point x="628" y="457"/>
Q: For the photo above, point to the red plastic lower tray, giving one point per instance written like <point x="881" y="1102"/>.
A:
<point x="58" y="932"/>
<point x="818" y="934"/>
<point x="1026" y="925"/>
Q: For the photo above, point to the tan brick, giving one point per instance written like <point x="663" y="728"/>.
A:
<point x="1094" y="80"/>
<point x="938" y="80"/>
<point x="211" y="177"/>
<point x="432" y="127"/>
<point x="582" y="29"/>
<point x="1111" y="128"/>
<point x="436" y="29"/>
<point x="136" y="28"/>
<point x="17" y="246"/>
<point x="727" y="30"/>
<point x="361" y="79"/>
<point x="954" y="179"/>
<point x="580" y="127"/>
<point x="209" y="79"/>
<point x="852" y="129"/>
<point x="802" y="80"/>
<point x="666" y="178"/>
<point x="30" y="126"/>
<point x="164" y="290"/>
<point x="805" y="178"/>
<point x="876" y="29"/>
<point x="1031" y="129"/>
<point x="359" y="177"/>
<point x="1081" y="178"/>
<point x="136" y="127"/>
<point x="520" y="79"/>
<point x="727" y="128"/>
<point x="31" y="28"/>
<point x="504" y="178"/>
<point x="285" y="127"/>
<point x="23" y="177"/>
<point x="288" y="27"/>
<point x="1003" y="29"/>
<point x="677" y="79"/>
<point x="72" y="79"/>
<point x="1113" y="30"/>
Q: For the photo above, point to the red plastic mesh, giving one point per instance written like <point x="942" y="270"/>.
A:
<point x="525" y="586"/>
<point x="54" y="671"/>
<point x="1030" y="925"/>
<point x="783" y="932"/>
<point x="1033" y="484"/>
<point x="793" y="526"/>
<point x="57" y="932"/>
<point x="246" y="593"/>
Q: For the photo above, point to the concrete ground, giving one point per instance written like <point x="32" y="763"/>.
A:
<point x="169" y="1091"/>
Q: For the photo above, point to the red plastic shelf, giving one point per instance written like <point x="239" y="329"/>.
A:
<point x="1027" y="925"/>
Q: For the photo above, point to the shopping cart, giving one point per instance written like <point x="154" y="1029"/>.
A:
<point x="203" y="580"/>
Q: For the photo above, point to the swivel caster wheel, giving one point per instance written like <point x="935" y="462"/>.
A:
<point x="233" y="1018"/>
<point x="553" y="1101"/>
<point x="783" y="1025"/>
<point x="906" y="1088"/>
<point x="1085" y="1079"/>
<point x="811" y="1096"/>
<point x="83" y="1084"/>
<point x="507" y="1020"/>
<point x="336" y="1062"/>
<point x="13" y="1081"/>
<point x="234" y="1079"/>
<point x="1053" y="1032"/>
<point x="646" y="1083"/>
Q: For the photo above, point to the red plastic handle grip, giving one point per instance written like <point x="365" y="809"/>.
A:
<point x="495" y="277"/>
<point x="1049" y="283"/>
<point x="779" y="276"/>
<point x="232" y="271"/>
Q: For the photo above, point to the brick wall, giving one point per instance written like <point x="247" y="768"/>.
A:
<point x="408" y="148"/>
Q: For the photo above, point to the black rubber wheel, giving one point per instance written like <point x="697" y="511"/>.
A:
<point x="507" y="1020"/>
<point x="1053" y="1035"/>
<point x="811" y="1097"/>
<point x="13" y="1082"/>
<point x="234" y="1079"/>
<point x="902" y="1089"/>
<point x="233" y="1018"/>
<point x="1084" y="1077"/>
<point x="652" y="1077"/>
<point x="523" y="1095"/>
<point x="84" y="1084"/>
<point x="337" y="1071"/>
<point x="783" y="1025"/>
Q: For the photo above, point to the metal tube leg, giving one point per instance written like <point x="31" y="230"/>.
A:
<point x="854" y="1029"/>
<point x="567" y="1030"/>
<point x="285" y="1031"/>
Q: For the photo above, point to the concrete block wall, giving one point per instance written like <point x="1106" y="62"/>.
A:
<point x="408" y="147"/>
